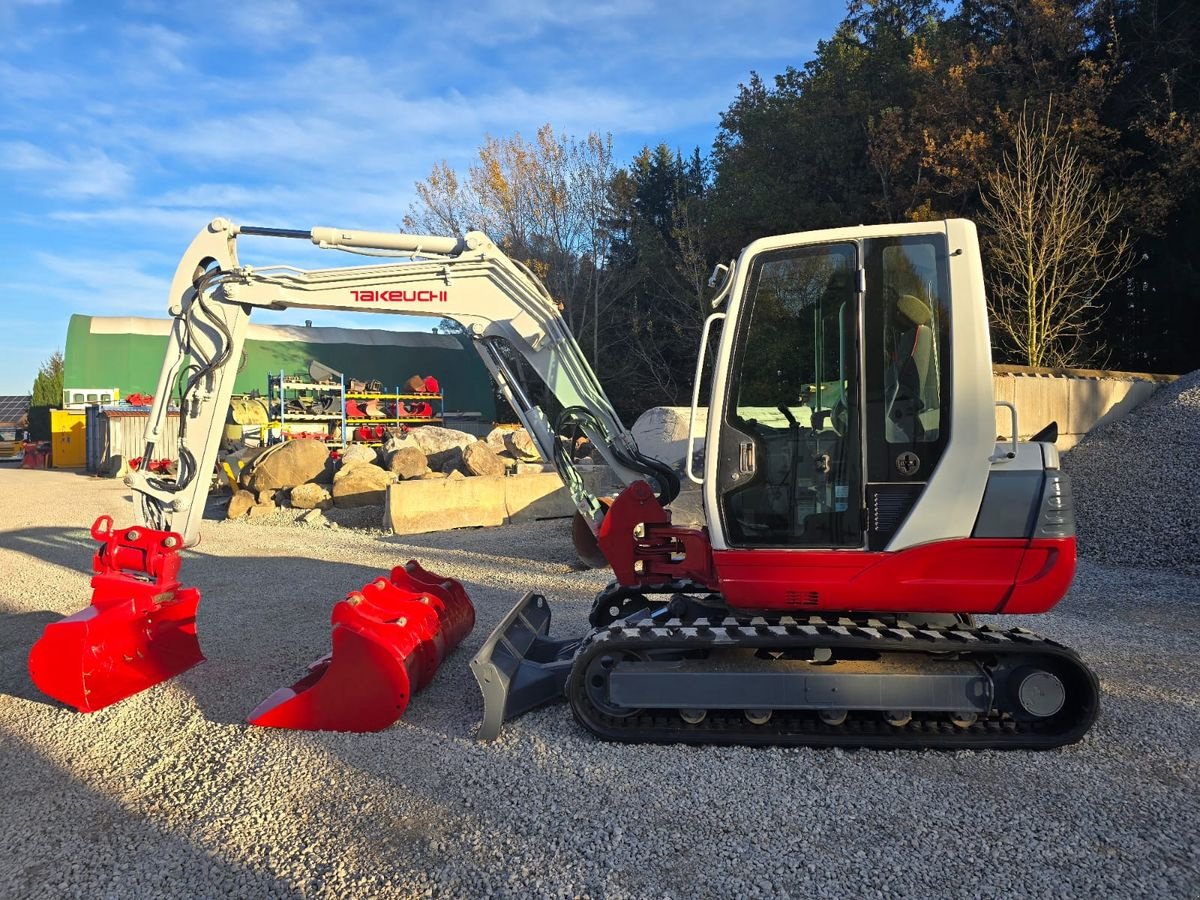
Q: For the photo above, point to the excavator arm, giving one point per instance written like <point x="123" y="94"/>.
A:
<point x="505" y="309"/>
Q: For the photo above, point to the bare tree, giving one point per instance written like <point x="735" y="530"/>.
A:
<point x="1055" y="244"/>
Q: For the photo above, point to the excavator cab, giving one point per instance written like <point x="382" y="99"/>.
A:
<point x="832" y="400"/>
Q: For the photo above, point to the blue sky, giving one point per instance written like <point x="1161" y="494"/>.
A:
<point x="126" y="126"/>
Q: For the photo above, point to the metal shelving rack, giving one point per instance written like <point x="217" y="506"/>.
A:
<point x="278" y="387"/>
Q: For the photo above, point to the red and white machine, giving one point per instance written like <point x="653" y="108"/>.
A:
<point x="859" y="511"/>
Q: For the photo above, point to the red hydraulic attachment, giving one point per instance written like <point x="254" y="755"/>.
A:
<point x="157" y="466"/>
<point x="644" y="548"/>
<point x="416" y="410"/>
<point x="139" y="630"/>
<point x="388" y="640"/>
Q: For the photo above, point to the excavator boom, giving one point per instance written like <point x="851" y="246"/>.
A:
<point x="505" y="309"/>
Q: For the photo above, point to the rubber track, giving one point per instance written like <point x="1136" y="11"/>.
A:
<point x="862" y="729"/>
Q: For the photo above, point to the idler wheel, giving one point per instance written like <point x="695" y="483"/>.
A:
<point x="596" y="683"/>
<point x="1040" y="693"/>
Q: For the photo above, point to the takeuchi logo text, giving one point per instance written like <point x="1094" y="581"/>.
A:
<point x="400" y="296"/>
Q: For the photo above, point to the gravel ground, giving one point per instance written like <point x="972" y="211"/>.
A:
<point x="170" y="794"/>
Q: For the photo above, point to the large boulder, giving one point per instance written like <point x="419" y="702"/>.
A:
<point x="239" y="504"/>
<point x="439" y="444"/>
<point x="311" y="496"/>
<point x="514" y="442"/>
<point x="361" y="484"/>
<point x="408" y="462"/>
<point x="288" y="464"/>
<point x="661" y="432"/>
<point x="496" y="439"/>
<point x="358" y="453"/>
<point x="480" y="459"/>
<point x="521" y="445"/>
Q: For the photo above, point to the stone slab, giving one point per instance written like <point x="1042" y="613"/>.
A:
<point x="420" y="506"/>
<point x="536" y="496"/>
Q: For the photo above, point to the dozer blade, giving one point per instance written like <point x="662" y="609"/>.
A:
<point x="519" y="667"/>
<point x="388" y="640"/>
<point x="139" y="630"/>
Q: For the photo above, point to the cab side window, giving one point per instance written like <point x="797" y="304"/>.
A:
<point x="912" y="335"/>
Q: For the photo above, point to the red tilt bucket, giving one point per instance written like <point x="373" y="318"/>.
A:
<point x="139" y="630"/>
<point x="388" y="640"/>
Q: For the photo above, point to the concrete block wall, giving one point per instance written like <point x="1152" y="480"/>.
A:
<point x="1078" y="399"/>
<point x="420" y="506"/>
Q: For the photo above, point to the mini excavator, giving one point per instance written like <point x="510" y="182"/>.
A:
<point x="859" y="510"/>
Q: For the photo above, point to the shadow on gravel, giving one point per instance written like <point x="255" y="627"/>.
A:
<point x="71" y="548"/>
<point x="54" y="819"/>
<point x="18" y="631"/>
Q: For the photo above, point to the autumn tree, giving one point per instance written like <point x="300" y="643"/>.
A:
<point x="545" y="202"/>
<point x="1055" y="244"/>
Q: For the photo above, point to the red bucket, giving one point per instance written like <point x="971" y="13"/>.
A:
<point x="139" y="630"/>
<point x="388" y="640"/>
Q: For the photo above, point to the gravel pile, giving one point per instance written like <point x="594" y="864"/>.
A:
<point x="1136" y="483"/>
<point x="170" y="794"/>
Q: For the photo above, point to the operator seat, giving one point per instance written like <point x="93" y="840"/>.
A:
<point x="913" y="411"/>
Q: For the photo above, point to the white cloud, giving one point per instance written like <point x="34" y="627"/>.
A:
<point x="23" y="84"/>
<point x="79" y="173"/>
<point x="115" y="284"/>
<point x="271" y="19"/>
<point x="156" y="48"/>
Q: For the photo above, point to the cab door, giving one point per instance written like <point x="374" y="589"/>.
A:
<point x="789" y="454"/>
<point x="907" y="361"/>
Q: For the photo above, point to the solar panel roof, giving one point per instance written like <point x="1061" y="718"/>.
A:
<point x="12" y="408"/>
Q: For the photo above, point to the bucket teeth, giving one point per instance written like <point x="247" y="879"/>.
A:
<point x="388" y="640"/>
<point x="139" y="630"/>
